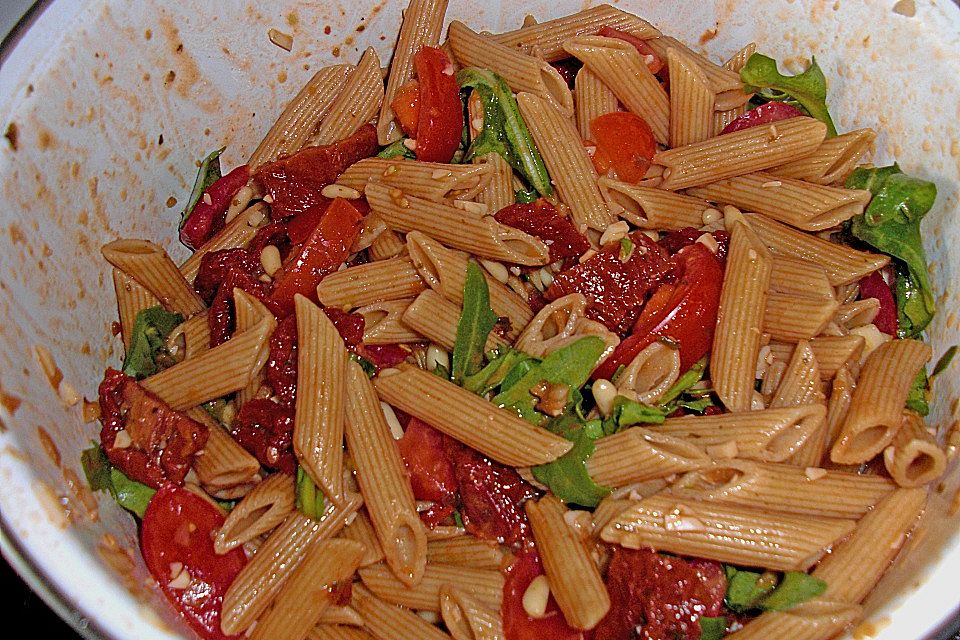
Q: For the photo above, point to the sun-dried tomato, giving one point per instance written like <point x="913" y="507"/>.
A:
<point x="542" y="220"/>
<point x="384" y="356"/>
<point x="349" y="325"/>
<point x="265" y="429"/>
<point x="431" y="473"/>
<point x="281" y="369"/>
<point x="673" y="241"/>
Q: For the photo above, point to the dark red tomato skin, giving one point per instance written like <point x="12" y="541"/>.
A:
<point x="179" y="526"/>
<point x="265" y="429"/>
<point x="431" y="473"/>
<point x="220" y="272"/>
<point x="349" y="325"/>
<point x="673" y="241"/>
<point x="281" y="369"/>
<point x="766" y="113"/>
<point x="874" y="286"/>
<point x="440" y="119"/>
<point x="517" y="625"/>
<point x="207" y="219"/>
<point x="384" y="356"/>
<point x="568" y="69"/>
<point x="542" y="220"/>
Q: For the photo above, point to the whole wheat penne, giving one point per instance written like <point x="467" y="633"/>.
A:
<point x="392" y="279"/>
<point x="248" y="311"/>
<point x="445" y="406"/>
<point x="876" y="408"/>
<point x="132" y="298"/>
<point x="817" y="619"/>
<point x="560" y="323"/>
<point x="445" y="532"/>
<point x="783" y="487"/>
<point x="571" y="169"/>
<point x="466" y="551"/>
<point x="841" y="394"/>
<point x="791" y="318"/>
<point x="361" y="530"/>
<point x="522" y="72"/>
<point x="481" y="236"/>
<point x="592" y="99"/>
<point x="498" y="192"/>
<point x="467" y="618"/>
<point x="833" y="161"/>
<point x="260" y="511"/>
<point x="548" y="37"/>
<point x="305" y="594"/>
<point x="725" y="83"/>
<point x="608" y="509"/>
<point x="691" y="100"/>
<point x="575" y="581"/>
<point x="428" y="180"/>
<point x="238" y="233"/>
<point x="194" y="334"/>
<point x="638" y="454"/>
<point x="150" y="267"/>
<point x="321" y="381"/>
<point x="217" y="372"/>
<point x="726" y="533"/>
<point x="383" y="323"/>
<point x="371" y="227"/>
<point x="800" y="204"/>
<point x="768" y="435"/>
<point x="445" y="270"/>
<point x="736" y="62"/>
<point x="291" y="130"/>
<point x="386" y="621"/>
<point x="341" y="615"/>
<point x="484" y="584"/>
<point x="741" y="318"/>
<point x="799" y="277"/>
<point x="842" y="264"/>
<point x="224" y="463"/>
<point x="261" y="579"/>
<point x="831" y="352"/>
<point x="619" y="65"/>
<point x="799" y="385"/>
<point x="421" y="27"/>
<point x="858" y="313"/>
<point x="327" y="631"/>
<point x="739" y="153"/>
<point x="356" y="103"/>
<point x="388" y="244"/>
<point x="856" y="564"/>
<point x="651" y="373"/>
<point x="914" y="458"/>
<point x="651" y="208"/>
<point x="383" y="480"/>
<point x="435" y="318"/>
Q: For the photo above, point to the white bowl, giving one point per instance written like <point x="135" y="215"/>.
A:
<point x="92" y="86"/>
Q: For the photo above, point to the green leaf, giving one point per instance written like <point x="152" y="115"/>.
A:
<point x="130" y="494"/>
<point x="458" y="519"/>
<point x="208" y="173"/>
<point x="690" y="377"/>
<point x="476" y="323"/>
<point x="794" y="588"/>
<point x="567" y="476"/>
<point x="309" y="500"/>
<point x="917" y="398"/>
<point x="148" y="342"/>
<point x="500" y="365"/>
<point x="526" y="196"/>
<point x="628" y="413"/>
<point x="397" y="150"/>
<point x="96" y="467"/>
<point x="749" y="590"/>
<point x="944" y="361"/>
<point x="809" y="89"/>
<point x="746" y="588"/>
<point x="913" y="315"/>
<point x="368" y="367"/>
<point x="712" y="628"/>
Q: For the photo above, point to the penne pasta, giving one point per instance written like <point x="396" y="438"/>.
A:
<point x="355" y="105"/>
<point x="651" y="208"/>
<point x="592" y="99"/>
<point x="386" y="621"/>
<point x="466" y="618"/>
<point x="260" y="511"/>
<point x="337" y="615"/>
<point x="365" y="284"/>
<point x="149" y="266"/>
<point x="224" y="463"/>
<point x="132" y="298"/>
<point x="691" y="100"/>
<point x="833" y="161"/>
<point x="651" y="374"/>
<point x="465" y="551"/>
<point x="725" y="84"/>
<point x="914" y="458"/>
<point x="857" y="314"/>
<point x="841" y="394"/>
<point x="831" y="352"/>
<point x="736" y="62"/>
<point x="388" y="244"/>
<point x="194" y="334"/>
<point x="338" y="632"/>
<point x="483" y="584"/>
<point x="817" y="619"/>
<point x="435" y="318"/>
<point x="428" y="180"/>
<point x="794" y="276"/>
<point x="383" y="323"/>
<point x="792" y="318"/>
<point x="801" y="380"/>
<point x="561" y="323"/>
<point x="248" y="311"/>
<point x="638" y="455"/>
<point x="498" y="192"/>
<point x="361" y="530"/>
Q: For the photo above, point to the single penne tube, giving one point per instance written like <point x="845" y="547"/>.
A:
<point x="727" y="533"/>
<point x="224" y="463"/>
<point x="876" y="408"/>
<point x="217" y="372"/>
<point x="800" y="384"/>
<point x="445" y="406"/>
<point x="306" y="594"/>
<point x="361" y="530"/>
<point x="326" y="631"/>
<point x="791" y="318"/>
<point x="832" y="162"/>
<point x="445" y="532"/>
<point x="560" y="323"/>
<point x="386" y="621"/>
<point x="371" y="227"/>
<point x="149" y="266"/>
<point x="194" y="334"/>
<point x="428" y="180"/>
<point x="841" y="395"/>
<point x="258" y="583"/>
<point x="548" y="37"/>
<point x="651" y="208"/>
<point x="383" y="323"/>
<point x="484" y="584"/>
<point x="638" y="455"/>
<point x="691" y="99"/>
<point x="465" y="551"/>
<point x="384" y="480"/>
<point x="291" y="130"/>
<point x="260" y="511"/>
<point x="355" y="105"/>
<point x="725" y="83"/>
<point x="388" y="244"/>
<point x="248" y="311"/>
<point x="741" y="318"/>
<point x="479" y="235"/>
<point x="843" y="264"/>
<point x="856" y="564"/>
<point x="651" y="373"/>
<point x="767" y="435"/>
<point x="132" y="298"/>
<point x="498" y="192"/>
<point x="914" y="458"/>
<point x="435" y="318"/>
<point x="237" y="233"/>
<point x="571" y="169"/>
<point x="575" y="581"/>
<point x="392" y="279"/>
<point x="608" y="509"/>
<point x="804" y="205"/>
<point x="831" y="352"/>
<point x="523" y="73"/>
<point x="321" y="403"/>
<point x="739" y="153"/>
<point x="799" y="277"/>
<point x="421" y="26"/>
<point x="592" y="99"/>
<point x="341" y="615"/>
<point x="466" y="618"/>
<point x="784" y="487"/>
<point x="858" y="313"/>
<point x="816" y="619"/>
<point x="620" y="66"/>
<point x="735" y="63"/>
<point x="445" y="271"/>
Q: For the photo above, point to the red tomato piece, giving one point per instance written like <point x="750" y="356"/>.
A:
<point x="673" y="241"/>
<point x="517" y="625"/>
<point x="281" y="368"/>
<point x="207" y="219"/>
<point x="265" y="429"/>
<point x="220" y="272"/>
<point x="764" y="114"/>
<point x="684" y="311"/>
<point x="625" y="144"/>
<point x="542" y="220"/>
<point x="349" y="325"/>
<point x="568" y="69"/>
<point x="406" y="107"/>
<point x="615" y="285"/>
<point x="177" y="535"/>
<point x="440" y="122"/>
<point x="431" y="472"/>
<point x="654" y="596"/>
<point x="384" y="356"/>
<point x="654" y="62"/>
<point x="874" y="286"/>
<point x="321" y="254"/>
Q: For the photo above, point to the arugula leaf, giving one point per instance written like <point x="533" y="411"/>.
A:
<point x="368" y="367"/>
<point x="627" y="413"/>
<point x="397" y="150"/>
<point x="919" y="392"/>
<point x="745" y="589"/>
<point x="712" y="628"/>
<point x="567" y="476"/>
<point x="309" y="500"/>
<point x="526" y="196"/>
<point x="103" y="476"/>
<point x="476" y="323"/>
<point x="149" y="341"/>
<point x="794" y="588"/>
<point x="891" y="224"/>
<point x="944" y="361"/>
<point x="749" y="590"/>
<point x="96" y="467"/>
<point x="690" y="377"/>
<point x="500" y="365"/>
<point x="208" y="173"/>
<point x="504" y="131"/>
<point x="808" y="89"/>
